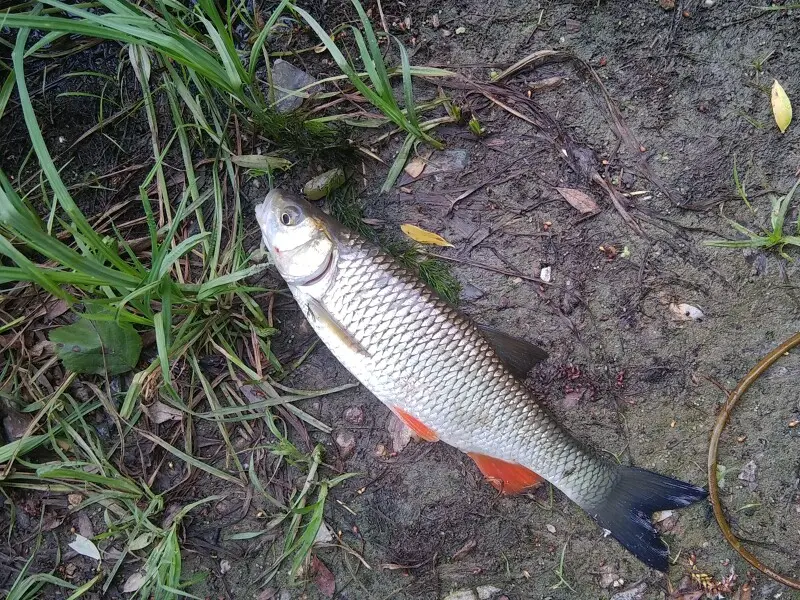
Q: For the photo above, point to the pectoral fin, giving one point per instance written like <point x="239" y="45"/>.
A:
<point x="324" y="318"/>
<point x="510" y="478"/>
<point x="517" y="354"/>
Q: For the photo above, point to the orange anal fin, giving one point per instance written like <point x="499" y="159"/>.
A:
<point x="417" y="426"/>
<point x="508" y="477"/>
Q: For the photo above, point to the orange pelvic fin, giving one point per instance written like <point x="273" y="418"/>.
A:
<point x="509" y="478"/>
<point x="417" y="426"/>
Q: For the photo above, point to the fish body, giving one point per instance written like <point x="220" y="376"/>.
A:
<point x="448" y="378"/>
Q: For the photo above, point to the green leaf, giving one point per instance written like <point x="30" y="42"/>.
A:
<point x="267" y="162"/>
<point x="99" y="347"/>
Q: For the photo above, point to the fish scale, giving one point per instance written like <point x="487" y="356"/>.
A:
<point x="442" y="375"/>
<point x="443" y="372"/>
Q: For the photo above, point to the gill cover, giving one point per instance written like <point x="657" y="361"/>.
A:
<point x="297" y="237"/>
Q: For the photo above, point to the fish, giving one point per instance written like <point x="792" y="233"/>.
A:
<point x="450" y="379"/>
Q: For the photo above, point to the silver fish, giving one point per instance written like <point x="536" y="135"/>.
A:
<point x="450" y="379"/>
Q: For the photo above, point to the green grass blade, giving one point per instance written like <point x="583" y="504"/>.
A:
<point x="46" y="162"/>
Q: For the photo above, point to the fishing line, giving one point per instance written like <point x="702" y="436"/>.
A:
<point x="713" y="487"/>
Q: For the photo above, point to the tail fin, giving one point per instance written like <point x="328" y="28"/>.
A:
<point x="627" y="510"/>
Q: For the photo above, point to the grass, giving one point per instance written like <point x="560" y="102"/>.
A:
<point x="774" y="237"/>
<point x="346" y="208"/>
<point x="172" y="272"/>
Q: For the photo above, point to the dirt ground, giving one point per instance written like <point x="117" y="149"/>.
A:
<point x="625" y="372"/>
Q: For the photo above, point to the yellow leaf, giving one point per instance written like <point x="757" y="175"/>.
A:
<point x="424" y="237"/>
<point x="781" y="106"/>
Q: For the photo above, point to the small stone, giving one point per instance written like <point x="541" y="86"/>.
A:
<point x="224" y="566"/>
<point x="74" y="499"/>
<point x="471" y="293"/>
<point x="487" y="592"/>
<point x="346" y="442"/>
<point x="15" y="423"/>
<point x="545" y="274"/>
<point x="354" y="415"/>
<point x="667" y="4"/>
<point x="287" y="78"/>
<point x="551" y="528"/>
<point x="709" y="3"/>
<point x="461" y="595"/>
<point x="633" y="593"/>
<point x="748" y="475"/>
<point x="461" y="30"/>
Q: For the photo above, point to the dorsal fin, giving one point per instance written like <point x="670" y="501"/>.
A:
<point x="517" y="354"/>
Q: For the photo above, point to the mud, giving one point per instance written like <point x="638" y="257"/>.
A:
<point x="624" y="373"/>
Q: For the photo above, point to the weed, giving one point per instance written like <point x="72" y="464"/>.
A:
<point x="562" y="582"/>
<point x="774" y="238"/>
<point x="188" y="286"/>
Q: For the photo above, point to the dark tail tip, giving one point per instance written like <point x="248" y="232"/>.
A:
<point x="627" y="510"/>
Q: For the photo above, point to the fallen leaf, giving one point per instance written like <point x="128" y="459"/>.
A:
<point x="85" y="547"/>
<point x="97" y="347"/>
<point x="573" y="397"/>
<point x="264" y="162"/>
<point x="686" y="312"/>
<point x="324" y="534"/>
<point x="56" y="309"/>
<point x="134" y="582"/>
<point x="322" y="185"/>
<point x="424" y="237"/>
<point x="141" y="542"/>
<point x="400" y="434"/>
<point x="415" y="167"/>
<point x="468" y="546"/>
<point x="160" y="412"/>
<point x="85" y="527"/>
<point x="579" y="200"/>
<point x="781" y="106"/>
<point x="323" y="578"/>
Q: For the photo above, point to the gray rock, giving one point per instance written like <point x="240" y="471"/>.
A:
<point x="287" y="78"/>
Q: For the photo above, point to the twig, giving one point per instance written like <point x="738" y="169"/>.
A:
<point x="485" y="267"/>
<point x="713" y="487"/>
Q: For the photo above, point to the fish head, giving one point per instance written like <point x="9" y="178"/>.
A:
<point x="299" y="237"/>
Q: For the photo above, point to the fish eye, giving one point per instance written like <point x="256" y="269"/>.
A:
<point x="290" y="216"/>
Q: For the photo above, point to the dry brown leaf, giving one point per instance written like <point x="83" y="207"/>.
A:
<point x="579" y="200"/>
<point x="781" y="106"/>
<point x="134" y="582"/>
<point x="424" y="237"/>
<point x="415" y="167"/>
<point x="160" y="412"/>
<point x="323" y="578"/>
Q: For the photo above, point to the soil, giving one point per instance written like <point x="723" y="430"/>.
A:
<point x="625" y="372"/>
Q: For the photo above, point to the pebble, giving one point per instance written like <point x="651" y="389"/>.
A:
<point x="346" y="442"/>
<point x="487" y="592"/>
<point x="354" y="415"/>
<point x="546" y="274"/>
<point x="551" y="528"/>
<point x="633" y="593"/>
<point x="461" y="595"/>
